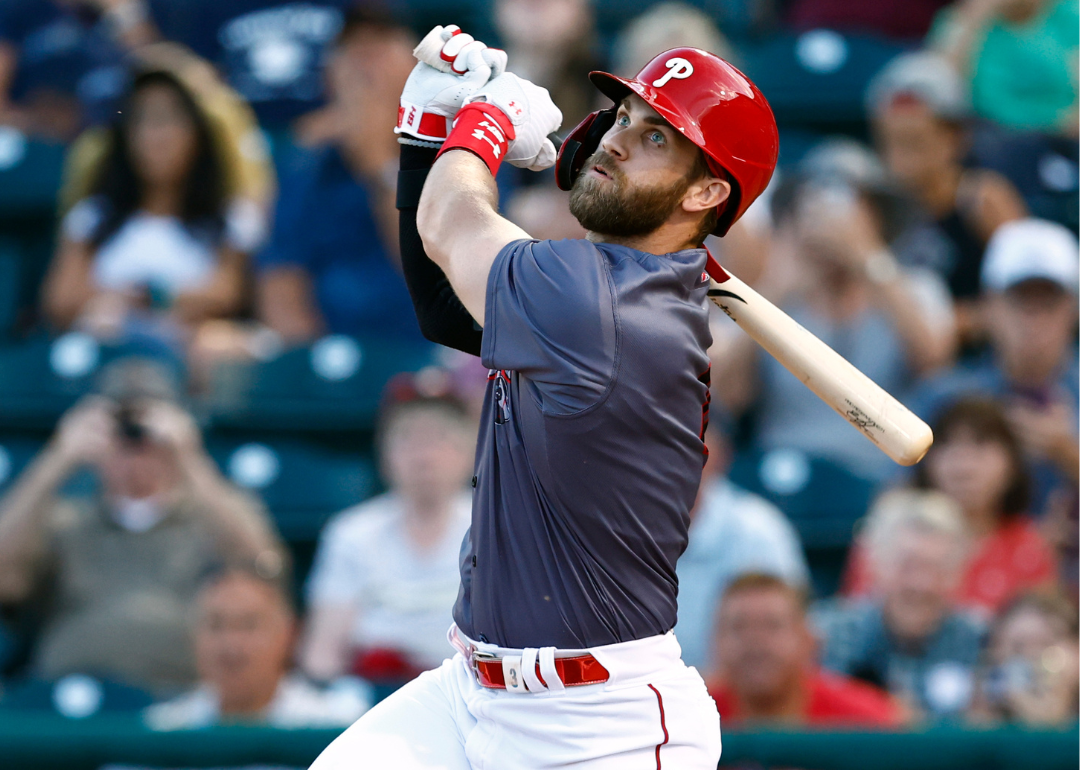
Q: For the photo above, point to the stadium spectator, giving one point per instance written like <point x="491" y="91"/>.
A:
<point x="244" y="630"/>
<point x="831" y="270"/>
<point x="1029" y="279"/>
<point x="919" y="108"/>
<point x="901" y="19"/>
<point x="1032" y="670"/>
<point x="552" y="43"/>
<point x="1061" y="526"/>
<point x="767" y="672"/>
<point x="330" y="266"/>
<point x="910" y="638"/>
<point x="157" y="247"/>
<point x="386" y="572"/>
<point x="1019" y="57"/>
<point x="58" y="60"/>
<point x="115" y="571"/>
<point x="271" y="51"/>
<point x="665" y="26"/>
<point x="732" y="532"/>
<point x="977" y="460"/>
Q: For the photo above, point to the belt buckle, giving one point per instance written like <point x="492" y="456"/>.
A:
<point x="475" y="656"/>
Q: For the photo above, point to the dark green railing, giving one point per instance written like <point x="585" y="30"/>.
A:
<point x="34" y="742"/>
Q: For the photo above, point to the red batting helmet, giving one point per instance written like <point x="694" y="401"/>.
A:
<point x="707" y="100"/>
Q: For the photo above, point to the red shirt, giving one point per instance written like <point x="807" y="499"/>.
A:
<point x="1013" y="559"/>
<point x="833" y="700"/>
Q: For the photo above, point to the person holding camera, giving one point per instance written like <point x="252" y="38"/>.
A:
<point x="113" y="573"/>
<point x="1030" y="675"/>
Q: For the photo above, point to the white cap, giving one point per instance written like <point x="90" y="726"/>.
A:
<point x="925" y="76"/>
<point x="1031" y="248"/>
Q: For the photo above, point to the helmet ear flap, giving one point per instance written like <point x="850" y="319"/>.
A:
<point x="580" y="144"/>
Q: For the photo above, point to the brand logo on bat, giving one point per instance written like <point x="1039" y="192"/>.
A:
<point x="725" y="293"/>
<point x="863" y="421"/>
<point x="678" y="68"/>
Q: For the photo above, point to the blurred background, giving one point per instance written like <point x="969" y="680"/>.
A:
<point x="234" y="478"/>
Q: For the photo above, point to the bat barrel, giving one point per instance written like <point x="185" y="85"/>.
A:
<point x="863" y="403"/>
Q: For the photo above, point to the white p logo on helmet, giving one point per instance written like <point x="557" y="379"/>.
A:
<point x="678" y="67"/>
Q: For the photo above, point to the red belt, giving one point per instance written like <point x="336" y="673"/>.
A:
<point x="578" y="670"/>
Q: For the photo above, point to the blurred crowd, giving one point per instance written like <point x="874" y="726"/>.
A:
<point x="228" y="194"/>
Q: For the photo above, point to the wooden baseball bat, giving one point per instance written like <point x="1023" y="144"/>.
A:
<point x="893" y="428"/>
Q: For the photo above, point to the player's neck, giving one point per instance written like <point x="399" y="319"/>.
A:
<point x="664" y="240"/>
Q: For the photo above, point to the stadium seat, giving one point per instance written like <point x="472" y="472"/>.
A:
<point x="11" y="260"/>
<point x="42" y="377"/>
<point x="30" y="172"/>
<point x="302" y="483"/>
<point x="335" y="385"/>
<point x="1044" y="169"/>
<point x="16" y="452"/>
<point x="76" y="696"/>
<point x="822" y="499"/>
<point x="817" y="78"/>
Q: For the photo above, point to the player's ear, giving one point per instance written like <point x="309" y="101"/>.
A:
<point x="706" y="193"/>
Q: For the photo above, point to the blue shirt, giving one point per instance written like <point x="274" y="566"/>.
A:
<point x="62" y="50"/>
<point x="986" y="379"/>
<point x="937" y="674"/>
<point x="324" y="224"/>
<point x="271" y="52"/>
<point x="590" y="449"/>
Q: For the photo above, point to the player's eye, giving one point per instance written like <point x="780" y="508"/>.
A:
<point x="657" y="137"/>
<point x="623" y="120"/>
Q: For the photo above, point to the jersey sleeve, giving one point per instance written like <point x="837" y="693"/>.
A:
<point x="551" y="316"/>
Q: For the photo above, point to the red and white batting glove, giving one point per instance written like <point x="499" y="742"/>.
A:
<point x="508" y="119"/>
<point x="452" y="67"/>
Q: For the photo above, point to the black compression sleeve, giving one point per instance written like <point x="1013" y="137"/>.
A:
<point x="443" y="319"/>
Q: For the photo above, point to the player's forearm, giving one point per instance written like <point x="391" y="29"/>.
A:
<point x="459" y="196"/>
<point x="442" y="317"/>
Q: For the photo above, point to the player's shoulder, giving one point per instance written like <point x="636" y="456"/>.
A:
<point x="546" y="249"/>
<point x="360" y="523"/>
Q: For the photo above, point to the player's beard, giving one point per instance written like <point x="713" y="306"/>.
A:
<point x="617" y="208"/>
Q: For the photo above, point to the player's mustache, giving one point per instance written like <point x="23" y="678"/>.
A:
<point x="602" y="159"/>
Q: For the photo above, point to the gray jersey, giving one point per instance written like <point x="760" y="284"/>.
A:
<point x="590" y="448"/>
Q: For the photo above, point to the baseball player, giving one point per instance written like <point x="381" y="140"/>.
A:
<point x="590" y="446"/>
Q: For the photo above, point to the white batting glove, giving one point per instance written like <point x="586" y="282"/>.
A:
<point x="452" y="67"/>
<point x="533" y="115"/>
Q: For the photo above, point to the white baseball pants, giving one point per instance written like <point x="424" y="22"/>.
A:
<point x="653" y="713"/>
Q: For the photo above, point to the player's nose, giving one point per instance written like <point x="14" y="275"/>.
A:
<point x="614" y="144"/>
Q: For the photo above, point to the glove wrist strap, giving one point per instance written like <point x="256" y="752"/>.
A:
<point x="483" y="130"/>
<point x="413" y="121"/>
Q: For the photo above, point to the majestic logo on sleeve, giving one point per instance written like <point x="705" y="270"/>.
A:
<point x="500" y="394"/>
<point x="678" y="68"/>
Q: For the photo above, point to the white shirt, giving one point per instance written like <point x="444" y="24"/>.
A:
<point x="297" y="703"/>
<point x="151" y="250"/>
<point x="733" y="532"/>
<point x="404" y="598"/>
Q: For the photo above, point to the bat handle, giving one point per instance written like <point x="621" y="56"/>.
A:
<point x="429" y="49"/>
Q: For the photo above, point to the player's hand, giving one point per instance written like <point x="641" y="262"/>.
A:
<point x="452" y="67"/>
<point x="534" y="115"/>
